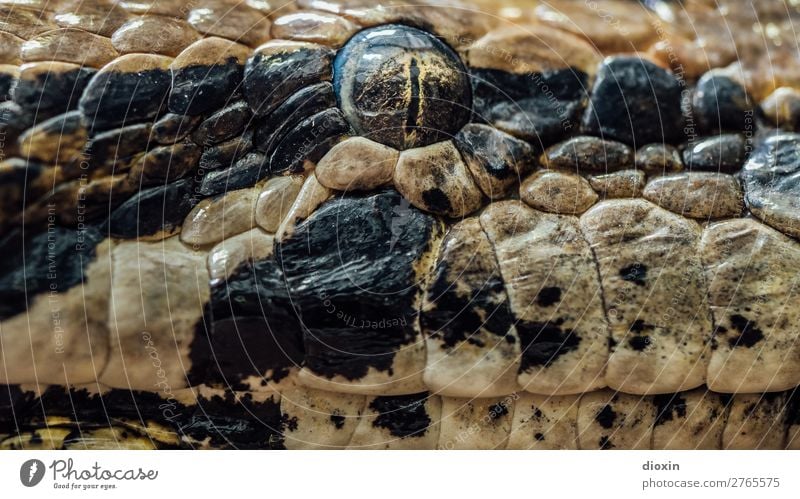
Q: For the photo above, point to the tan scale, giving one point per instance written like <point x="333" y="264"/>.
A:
<point x="553" y="287"/>
<point x="316" y="419"/>
<point x="101" y="17"/>
<point x="755" y="421"/>
<point x="154" y="34"/>
<point x="216" y="219"/>
<point x="754" y="295"/>
<point x="10" y="46"/>
<point x="654" y="296"/>
<point x="485" y="364"/>
<point x="63" y="337"/>
<point x="236" y="22"/>
<point x="609" y="420"/>
<point x="696" y="422"/>
<point x="211" y="51"/>
<point x="557" y="192"/>
<point x="315" y="27"/>
<point x="621" y="184"/>
<point x="475" y="423"/>
<point x="153" y="323"/>
<point x="434" y="178"/>
<point x="701" y="195"/>
<point x="70" y="45"/>
<point x="275" y="201"/>
<point x="228" y="254"/>
<point x="311" y="195"/>
<point x="545" y="422"/>
<point x="357" y="163"/>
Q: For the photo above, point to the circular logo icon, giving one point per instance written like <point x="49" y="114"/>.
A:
<point x="31" y="472"/>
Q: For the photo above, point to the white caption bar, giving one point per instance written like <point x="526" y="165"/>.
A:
<point x="398" y="474"/>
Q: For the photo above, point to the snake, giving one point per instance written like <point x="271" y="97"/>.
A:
<point x="441" y="224"/>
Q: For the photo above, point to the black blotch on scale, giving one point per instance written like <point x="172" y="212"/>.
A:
<point x="456" y="318"/>
<point x="749" y="334"/>
<point x="436" y="201"/>
<point x="544" y="342"/>
<point x="606" y="417"/>
<point x="240" y="347"/>
<point x="7" y="80"/>
<point x="639" y="343"/>
<point x="249" y="328"/>
<point x="51" y="261"/>
<point x="15" y="404"/>
<point x="635" y="273"/>
<point x="668" y="407"/>
<point x="548" y="296"/>
<point x="403" y="415"/>
<point x="230" y="423"/>
<point x="338" y="421"/>
<point x="497" y="411"/>
<point x="350" y="270"/>
<point x="605" y="443"/>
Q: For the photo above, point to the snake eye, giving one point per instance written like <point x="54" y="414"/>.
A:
<point x="401" y="86"/>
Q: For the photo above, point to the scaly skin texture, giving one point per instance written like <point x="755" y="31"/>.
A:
<point x="224" y="226"/>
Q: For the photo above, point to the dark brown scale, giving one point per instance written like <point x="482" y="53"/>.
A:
<point x="305" y="103"/>
<point x="165" y="163"/>
<point x="308" y="142"/>
<point x="113" y="150"/>
<point x="518" y="104"/>
<point x="225" y="154"/>
<point x="45" y="90"/>
<point x="722" y="153"/>
<point x="588" y="154"/>
<point x="273" y="76"/>
<point x="223" y="125"/>
<point x="126" y="93"/>
<point x="172" y="127"/>
<point x="636" y="102"/>
<point x="155" y="211"/>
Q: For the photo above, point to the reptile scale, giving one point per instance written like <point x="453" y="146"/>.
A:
<point x="437" y="224"/>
